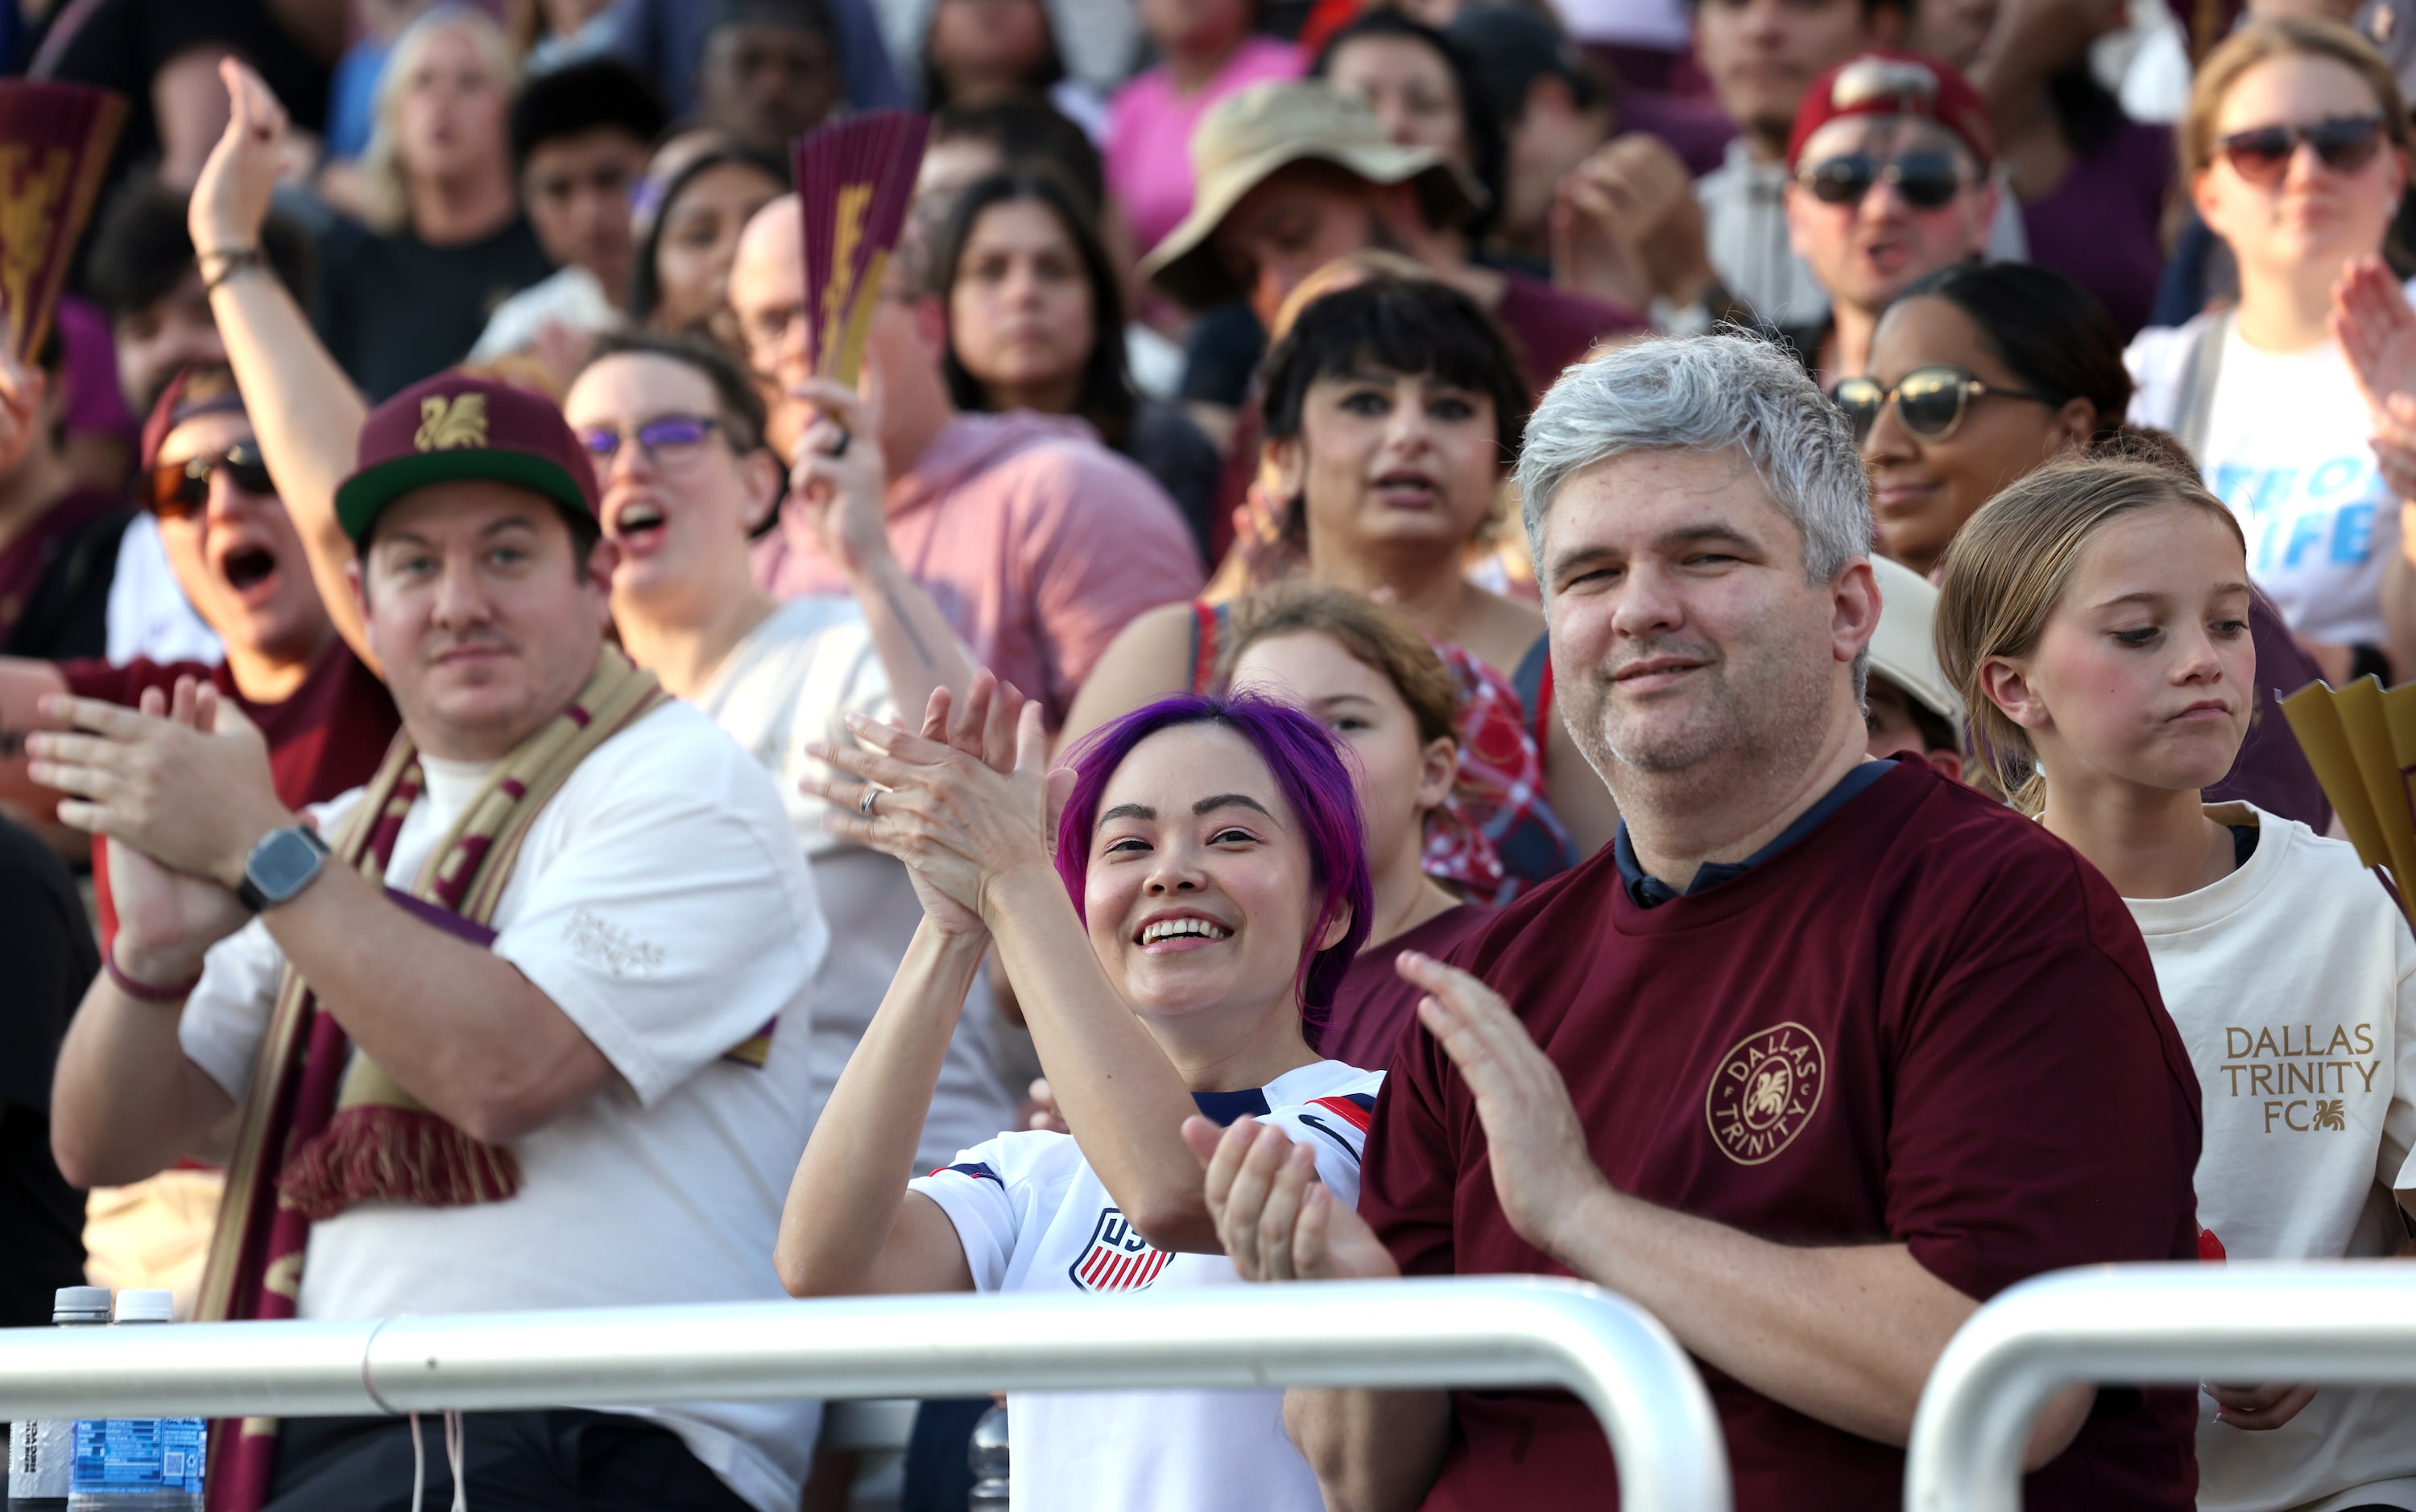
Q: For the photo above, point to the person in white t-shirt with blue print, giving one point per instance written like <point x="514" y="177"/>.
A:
<point x="2295" y="146"/>
<point x="1209" y="888"/>
<point x="2095" y="616"/>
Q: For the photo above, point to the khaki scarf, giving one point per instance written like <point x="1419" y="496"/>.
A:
<point x="323" y="1127"/>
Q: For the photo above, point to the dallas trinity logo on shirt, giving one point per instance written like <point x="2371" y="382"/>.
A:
<point x="1765" y="1091"/>
<point x="1117" y="1259"/>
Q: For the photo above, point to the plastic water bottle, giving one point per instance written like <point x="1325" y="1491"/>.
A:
<point x="989" y="1454"/>
<point x="40" y="1453"/>
<point x="138" y="1464"/>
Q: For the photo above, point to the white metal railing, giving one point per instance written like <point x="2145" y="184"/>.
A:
<point x="2339" y="1323"/>
<point x="1466" y="1333"/>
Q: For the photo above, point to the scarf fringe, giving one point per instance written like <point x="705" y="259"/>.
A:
<point x="385" y="1154"/>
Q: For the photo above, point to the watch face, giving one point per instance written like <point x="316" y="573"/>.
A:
<point x="282" y="864"/>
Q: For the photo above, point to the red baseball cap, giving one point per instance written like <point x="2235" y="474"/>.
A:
<point x="454" y="425"/>
<point x="1888" y="80"/>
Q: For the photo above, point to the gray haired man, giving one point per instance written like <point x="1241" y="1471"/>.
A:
<point x="1819" y="1054"/>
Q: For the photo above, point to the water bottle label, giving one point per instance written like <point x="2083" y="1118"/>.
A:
<point x="138" y="1455"/>
<point x="39" y="1458"/>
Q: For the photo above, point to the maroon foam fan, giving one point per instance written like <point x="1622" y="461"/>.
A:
<point x="54" y="145"/>
<point x="855" y="180"/>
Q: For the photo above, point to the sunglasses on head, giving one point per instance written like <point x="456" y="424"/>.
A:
<point x="2345" y="143"/>
<point x="1929" y="401"/>
<point x="1927" y="180"/>
<point x="182" y="490"/>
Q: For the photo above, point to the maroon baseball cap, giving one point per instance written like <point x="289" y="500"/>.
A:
<point x="177" y="405"/>
<point x="453" y="427"/>
<point x="1888" y="80"/>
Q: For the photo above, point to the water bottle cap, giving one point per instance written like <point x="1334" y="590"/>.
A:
<point x="80" y="1304"/>
<point x="138" y="1306"/>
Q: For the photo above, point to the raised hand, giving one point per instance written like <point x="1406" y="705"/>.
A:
<point x="166" y="919"/>
<point x="2375" y="330"/>
<point x="188" y="785"/>
<point x="21" y="410"/>
<point x="1277" y="1222"/>
<point x="839" y="488"/>
<point x="1543" y="1173"/>
<point x="961" y="824"/>
<point x="1626" y="226"/>
<point x="231" y="198"/>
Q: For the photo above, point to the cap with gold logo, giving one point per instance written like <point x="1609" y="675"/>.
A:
<point x="454" y="426"/>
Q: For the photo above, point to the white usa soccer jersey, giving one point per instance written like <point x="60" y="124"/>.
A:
<point x="1033" y="1218"/>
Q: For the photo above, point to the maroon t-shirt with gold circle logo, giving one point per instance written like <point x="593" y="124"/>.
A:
<point x="1929" y="1022"/>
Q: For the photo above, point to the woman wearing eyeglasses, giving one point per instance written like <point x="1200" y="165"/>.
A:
<point x="1979" y="375"/>
<point x="2295" y="150"/>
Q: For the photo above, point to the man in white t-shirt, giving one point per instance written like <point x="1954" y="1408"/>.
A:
<point x="560" y="1059"/>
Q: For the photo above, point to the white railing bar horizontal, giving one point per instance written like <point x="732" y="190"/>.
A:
<point x="1470" y="1333"/>
<point x="2338" y="1322"/>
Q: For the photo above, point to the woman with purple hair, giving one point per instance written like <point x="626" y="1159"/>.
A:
<point x="1176" y="908"/>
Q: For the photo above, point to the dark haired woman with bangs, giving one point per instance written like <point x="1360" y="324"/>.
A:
<point x="1393" y="409"/>
<point x="1035" y="322"/>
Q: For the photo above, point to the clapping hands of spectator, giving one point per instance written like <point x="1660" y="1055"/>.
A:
<point x="1625" y="226"/>
<point x="1544" y="1174"/>
<point x="839" y="488"/>
<point x="1276" y="1220"/>
<point x="231" y="198"/>
<point x="182" y="785"/>
<point x="2376" y="329"/>
<point x="965" y="813"/>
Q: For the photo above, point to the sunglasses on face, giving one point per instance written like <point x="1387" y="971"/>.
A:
<point x="1927" y="180"/>
<point x="672" y="440"/>
<point x="1930" y="402"/>
<point x="180" y="490"/>
<point x="2344" y="143"/>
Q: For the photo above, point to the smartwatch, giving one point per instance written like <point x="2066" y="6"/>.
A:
<point x="280" y="866"/>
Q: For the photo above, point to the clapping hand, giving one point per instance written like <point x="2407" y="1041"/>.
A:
<point x="1625" y="226"/>
<point x="963" y="813"/>
<point x="2375" y="330"/>
<point x="1276" y="1220"/>
<point x="1544" y="1174"/>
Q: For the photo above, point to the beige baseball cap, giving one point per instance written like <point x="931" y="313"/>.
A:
<point x="1901" y="648"/>
<point x="1245" y="137"/>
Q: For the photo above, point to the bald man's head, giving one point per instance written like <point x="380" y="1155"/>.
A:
<point x="767" y="291"/>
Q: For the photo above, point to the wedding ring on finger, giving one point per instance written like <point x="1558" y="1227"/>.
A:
<point x="839" y="447"/>
<point x="864" y="804"/>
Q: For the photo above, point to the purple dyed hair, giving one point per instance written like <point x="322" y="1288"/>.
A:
<point x="1311" y="771"/>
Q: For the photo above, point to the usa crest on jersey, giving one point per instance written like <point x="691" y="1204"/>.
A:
<point x="1117" y="1259"/>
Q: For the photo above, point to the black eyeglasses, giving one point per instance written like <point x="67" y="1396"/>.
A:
<point x="1927" y="180"/>
<point x="671" y="440"/>
<point x="2344" y="143"/>
<point x="180" y="490"/>
<point x="1931" y="401"/>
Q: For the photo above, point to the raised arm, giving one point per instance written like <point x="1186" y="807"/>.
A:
<point x="839" y="490"/>
<point x="975" y="833"/>
<point x="305" y="412"/>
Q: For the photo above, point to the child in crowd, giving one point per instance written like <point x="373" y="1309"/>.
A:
<point x="2094" y="616"/>
<point x="1358" y="668"/>
<point x="1215" y="891"/>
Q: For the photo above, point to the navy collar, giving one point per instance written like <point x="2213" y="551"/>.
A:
<point x="1224" y="1107"/>
<point x="1650" y="891"/>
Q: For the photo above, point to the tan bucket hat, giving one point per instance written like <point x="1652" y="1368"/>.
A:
<point x="1901" y="648"/>
<point x="1245" y="137"/>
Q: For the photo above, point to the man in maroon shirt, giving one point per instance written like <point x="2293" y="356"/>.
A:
<point x="328" y="719"/>
<point x="1818" y="1055"/>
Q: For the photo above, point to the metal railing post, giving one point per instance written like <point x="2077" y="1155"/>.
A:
<point x="2339" y="1323"/>
<point x="1464" y="1332"/>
